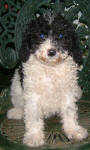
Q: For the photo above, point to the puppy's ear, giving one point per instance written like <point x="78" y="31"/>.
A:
<point x="49" y="16"/>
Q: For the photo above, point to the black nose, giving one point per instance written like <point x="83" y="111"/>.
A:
<point x="51" y="52"/>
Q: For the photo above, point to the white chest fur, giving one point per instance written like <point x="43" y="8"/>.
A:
<point x="49" y="82"/>
<point x="45" y="76"/>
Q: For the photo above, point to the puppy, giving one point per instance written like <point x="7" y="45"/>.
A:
<point x="45" y="83"/>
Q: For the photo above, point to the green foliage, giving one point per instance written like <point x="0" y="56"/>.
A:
<point x="8" y="13"/>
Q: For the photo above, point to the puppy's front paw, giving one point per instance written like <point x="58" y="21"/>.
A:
<point x="33" y="140"/>
<point x="78" y="134"/>
<point x="15" y="113"/>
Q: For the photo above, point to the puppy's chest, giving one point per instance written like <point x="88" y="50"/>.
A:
<point x="46" y="79"/>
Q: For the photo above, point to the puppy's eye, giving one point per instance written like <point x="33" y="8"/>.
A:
<point x="42" y="36"/>
<point x="61" y="36"/>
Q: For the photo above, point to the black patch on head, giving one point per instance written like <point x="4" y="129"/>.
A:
<point x="32" y="37"/>
<point x="63" y="35"/>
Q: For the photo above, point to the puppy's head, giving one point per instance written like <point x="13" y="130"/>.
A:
<point x="50" y="39"/>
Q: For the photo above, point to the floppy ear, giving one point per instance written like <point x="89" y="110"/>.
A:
<point x="76" y="50"/>
<point x="24" y="51"/>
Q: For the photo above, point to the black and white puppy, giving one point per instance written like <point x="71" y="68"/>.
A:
<point x="46" y="82"/>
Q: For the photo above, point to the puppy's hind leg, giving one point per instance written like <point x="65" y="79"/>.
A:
<point x="70" y="121"/>
<point x="17" y="98"/>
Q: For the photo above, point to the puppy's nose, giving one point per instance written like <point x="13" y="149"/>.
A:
<point x="51" y="52"/>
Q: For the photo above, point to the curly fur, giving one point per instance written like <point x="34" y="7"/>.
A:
<point x="49" y="82"/>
